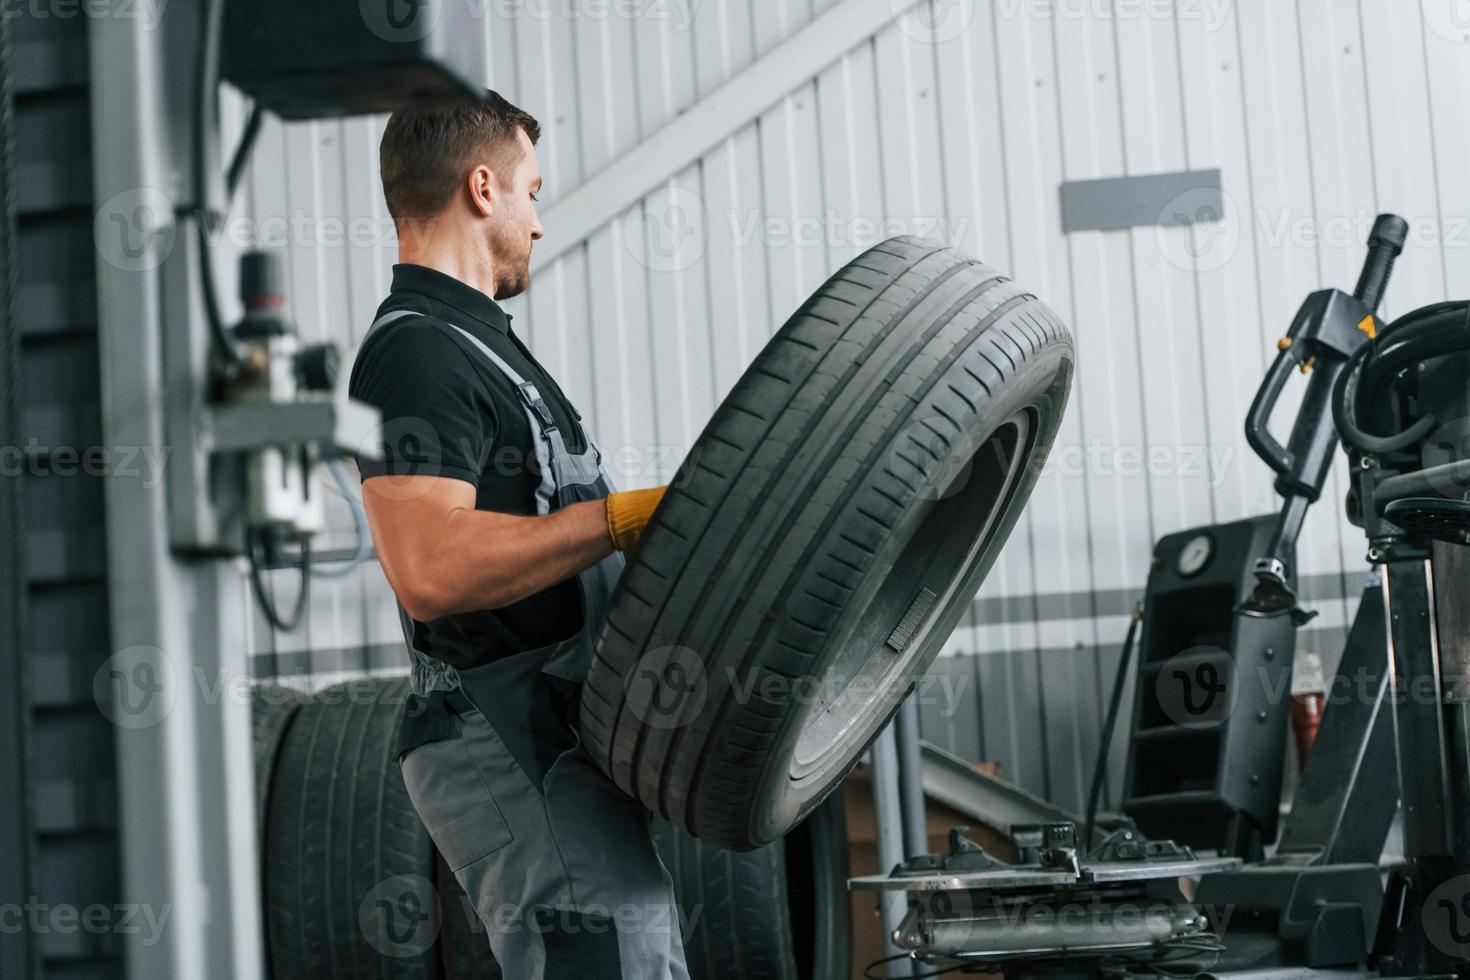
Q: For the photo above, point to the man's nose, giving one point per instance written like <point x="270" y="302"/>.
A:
<point x="536" y="231"/>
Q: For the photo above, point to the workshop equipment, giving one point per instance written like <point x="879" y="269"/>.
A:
<point x="1328" y="330"/>
<point x="1221" y="610"/>
<point x="1205" y="750"/>
<point x="1057" y="902"/>
<point x="1397" y="706"/>
<point x="308" y="60"/>
<point x="271" y="418"/>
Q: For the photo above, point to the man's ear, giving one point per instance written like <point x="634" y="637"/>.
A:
<point x="483" y="190"/>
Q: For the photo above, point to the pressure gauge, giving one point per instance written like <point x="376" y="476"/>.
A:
<point x="1195" y="555"/>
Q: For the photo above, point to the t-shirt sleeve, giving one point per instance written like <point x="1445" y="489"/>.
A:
<point x="435" y="421"/>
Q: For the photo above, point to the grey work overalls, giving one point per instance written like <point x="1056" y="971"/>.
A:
<point x="557" y="860"/>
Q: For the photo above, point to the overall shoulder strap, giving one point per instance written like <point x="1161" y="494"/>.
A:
<point x="530" y="396"/>
<point x="390" y="317"/>
<point x="549" y="444"/>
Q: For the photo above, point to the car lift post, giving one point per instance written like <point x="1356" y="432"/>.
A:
<point x="888" y="831"/>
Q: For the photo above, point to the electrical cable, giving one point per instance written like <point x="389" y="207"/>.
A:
<point x="255" y="541"/>
<point x="868" y="973"/>
<point x="359" y="524"/>
<point x="1100" y="768"/>
<point x="1159" y="962"/>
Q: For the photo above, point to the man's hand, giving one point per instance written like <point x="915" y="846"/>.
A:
<point x="442" y="556"/>
<point x="628" y="512"/>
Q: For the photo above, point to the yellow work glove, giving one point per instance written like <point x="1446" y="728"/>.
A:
<point x="628" y="512"/>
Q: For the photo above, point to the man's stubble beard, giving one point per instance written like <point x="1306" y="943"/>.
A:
<point x="516" y="284"/>
<point x="515" y="261"/>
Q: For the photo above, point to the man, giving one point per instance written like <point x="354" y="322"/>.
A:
<point x="496" y="529"/>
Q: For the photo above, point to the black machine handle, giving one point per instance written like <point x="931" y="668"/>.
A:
<point x="1385" y="243"/>
<point x="1258" y="419"/>
<point x="1323" y="337"/>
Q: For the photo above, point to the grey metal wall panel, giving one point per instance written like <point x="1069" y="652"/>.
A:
<point x="67" y="642"/>
<point x="58" y="471"/>
<point x="18" y="952"/>
<point x="949" y="706"/>
<point x="57" y="289"/>
<point x="1317" y="115"/>
<point x="53" y="162"/>
<point x="66" y="530"/>
<point x="50" y="53"/>
<point x="59" y="386"/>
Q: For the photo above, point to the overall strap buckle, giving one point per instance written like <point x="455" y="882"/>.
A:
<point x="534" y="402"/>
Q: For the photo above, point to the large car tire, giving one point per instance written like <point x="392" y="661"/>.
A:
<point x="735" y="906"/>
<point x="273" y="707"/>
<point x="816" y="893"/>
<point x="779" y="912"/>
<point x="822" y="539"/>
<point x="349" y="866"/>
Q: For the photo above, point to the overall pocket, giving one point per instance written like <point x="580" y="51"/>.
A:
<point x="451" y="798"/>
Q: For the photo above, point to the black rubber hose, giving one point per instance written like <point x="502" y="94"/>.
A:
<point x="206" y="79"/>
<point x="1346" y="423"/>
<point x="1417" y="335"/>
<point x="256" y="543"/>
<point x="243" y="150"/>
<point x="1418" y="339"/>
<point x="1100" y="768"/>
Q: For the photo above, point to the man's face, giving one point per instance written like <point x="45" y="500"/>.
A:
<point x="513" y="224"/>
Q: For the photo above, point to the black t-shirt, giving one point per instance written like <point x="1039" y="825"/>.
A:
<point x="447" y="411"/>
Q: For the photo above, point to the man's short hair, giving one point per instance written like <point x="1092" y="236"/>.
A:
<point x="425" y="153"/>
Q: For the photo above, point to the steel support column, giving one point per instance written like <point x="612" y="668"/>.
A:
<point x="185" y="786"/>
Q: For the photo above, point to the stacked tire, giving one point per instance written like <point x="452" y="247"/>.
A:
<point x="348" y="867"/>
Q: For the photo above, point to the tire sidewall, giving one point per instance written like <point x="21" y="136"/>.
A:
<point x="1040" y="385"/>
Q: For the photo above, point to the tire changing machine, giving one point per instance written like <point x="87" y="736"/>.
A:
<point x="1211" y="704"/>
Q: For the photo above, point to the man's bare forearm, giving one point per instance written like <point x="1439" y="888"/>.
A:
<point x="503" y="558"/>
<point x="442" y="556"/>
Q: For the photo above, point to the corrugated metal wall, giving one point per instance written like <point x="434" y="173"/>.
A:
<point x="73" y="851"/>
<point x="959" y="120"/>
